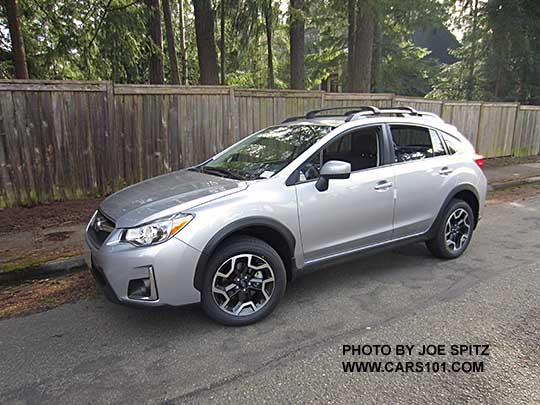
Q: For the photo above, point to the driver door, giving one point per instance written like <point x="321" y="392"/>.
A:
<point x="353" y="213"/>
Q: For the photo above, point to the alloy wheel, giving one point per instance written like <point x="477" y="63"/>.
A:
<point x="457" y="229"/>
<point x="243" y="284"/>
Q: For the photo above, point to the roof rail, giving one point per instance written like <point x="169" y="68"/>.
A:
<point x="352" y="110"/>
<point x="402" y="111"/>
<point x="356" y="112"/>
<point x="291" y="119"/>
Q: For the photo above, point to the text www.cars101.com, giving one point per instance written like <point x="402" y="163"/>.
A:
<point x="429" y="352"/>
<point x="412" y="367"/>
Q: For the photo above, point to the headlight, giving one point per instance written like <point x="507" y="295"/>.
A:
<point x="158" y="231"/>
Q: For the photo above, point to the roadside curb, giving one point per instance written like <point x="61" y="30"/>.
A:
<point x="53" y="268"/>
<point x="513" y="183"/>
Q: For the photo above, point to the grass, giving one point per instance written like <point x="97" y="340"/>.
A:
<point x="23" y="265"/>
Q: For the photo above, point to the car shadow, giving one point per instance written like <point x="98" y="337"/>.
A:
<point x="393" y="266"/>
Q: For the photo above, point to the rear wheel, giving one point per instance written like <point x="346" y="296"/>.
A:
<point x="454" y="232"/>
<point x="244" y="282"/>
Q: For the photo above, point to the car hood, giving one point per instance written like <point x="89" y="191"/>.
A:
<point x="166" y="195"/>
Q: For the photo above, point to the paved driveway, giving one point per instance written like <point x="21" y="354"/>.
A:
<point x="96" y="351"/>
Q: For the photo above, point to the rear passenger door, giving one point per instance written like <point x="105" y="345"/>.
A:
<point x="422" y="175"/>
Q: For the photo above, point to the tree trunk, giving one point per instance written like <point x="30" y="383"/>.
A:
<point x="156" y="53"/>
<point x="206" y="44"/>
<point x="267" y="11"/>
<point x="296" y="36"/>
<point x="222" y="41"/>
<point x="376" y="65"/>
<point x="469" y="89"/>
<point x="351" y="7"/>
<point x="183" y="50"/>
<point x="171" y="47"/>
<point x="360" y="64"/>
<point x="17" y="42"/>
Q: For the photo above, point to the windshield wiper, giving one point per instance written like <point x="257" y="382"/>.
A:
<point x="222" y="172"/>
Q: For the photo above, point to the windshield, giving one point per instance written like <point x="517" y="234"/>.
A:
<point x="267" y="152"/>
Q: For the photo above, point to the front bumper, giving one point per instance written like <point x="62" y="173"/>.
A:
<point x="170" y="265"/>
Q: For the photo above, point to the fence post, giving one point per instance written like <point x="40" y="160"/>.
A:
<point x="111" y="136"/>
<point x="392" y="96"/>
<point x="514" y="135"/>
<point x="233" y="114"/>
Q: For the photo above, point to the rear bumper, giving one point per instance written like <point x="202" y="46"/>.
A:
<point x="170" y="266"/>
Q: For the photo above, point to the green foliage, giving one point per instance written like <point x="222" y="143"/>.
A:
<point x="326" y="40"/>
<point x="498" y="57"/>
<point x="398" y="66"/>
<point x="404" y="67"/>
<point x="84" y="39"/>
<point x="246" y="50"/>
<point x="513" y="63"/>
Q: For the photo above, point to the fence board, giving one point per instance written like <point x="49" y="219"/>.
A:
<point x="496" y="129"/>
<point x="353" y="99"/>
<point x="420" y="104"/>
<point x="465" y="116"/>
<point x="527" y="133"/>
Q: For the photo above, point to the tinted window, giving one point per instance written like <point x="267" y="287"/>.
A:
<point x="438" y="145"/>
<point x="359" y="148"/>
<point x="311" y="168"/>
<point x="452" y="143"/>
<point x="411" y="142"/>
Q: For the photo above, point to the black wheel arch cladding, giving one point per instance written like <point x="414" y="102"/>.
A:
<point x="249" y="226"/>
<point x="465" y="192"/>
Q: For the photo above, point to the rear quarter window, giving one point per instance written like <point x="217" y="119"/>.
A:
<point x="453" y="144"/>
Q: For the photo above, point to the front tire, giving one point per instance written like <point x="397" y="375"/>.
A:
<point x="454" y="232"/>
<point x="244" y="282"/>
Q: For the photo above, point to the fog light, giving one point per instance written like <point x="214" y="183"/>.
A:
<point x="139" y="288"/>
<point x="143" y="288"/>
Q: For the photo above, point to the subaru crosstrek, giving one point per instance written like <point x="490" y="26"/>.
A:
<point x="234" y="230"/>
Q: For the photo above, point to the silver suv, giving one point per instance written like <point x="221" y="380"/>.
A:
<point x="234" y="230"/>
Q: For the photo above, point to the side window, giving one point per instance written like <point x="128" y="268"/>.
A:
<point x="452" y="143"/>
<point x="360" y="148"/>
<point x="411" y="142"/>
<point x="311" y="168"/>
<point x="438" y="145"/>
<point x="341" y="145"/>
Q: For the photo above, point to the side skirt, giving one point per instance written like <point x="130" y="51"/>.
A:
<point x="362" y="252"/>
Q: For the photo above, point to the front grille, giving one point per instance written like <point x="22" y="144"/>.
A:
<point x="100" y="229"/>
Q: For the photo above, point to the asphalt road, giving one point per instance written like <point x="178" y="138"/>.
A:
<point x="96" y="351"/>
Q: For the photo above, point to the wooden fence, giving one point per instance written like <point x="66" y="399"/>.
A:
<point x="67" y="140"/>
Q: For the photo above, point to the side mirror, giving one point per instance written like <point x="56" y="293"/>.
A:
<point x="333" y="169"/>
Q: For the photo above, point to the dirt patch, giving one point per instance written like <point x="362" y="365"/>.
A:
<point x="48" y="215"/>
<point x="41" y="295"/>
<point x="30" y="236"/>
<point x="513" y="194"/>
<point x="508" y="161"/>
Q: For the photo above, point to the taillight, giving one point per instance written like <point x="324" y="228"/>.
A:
<point x="479" y="160"/>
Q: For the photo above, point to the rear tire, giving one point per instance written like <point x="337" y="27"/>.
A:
<point x="244" y="282"/>
<point x="454" y="232"/>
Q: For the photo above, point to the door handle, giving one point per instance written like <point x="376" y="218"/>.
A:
<point x="383" y="185"/>
<point x="445" y="171"/>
